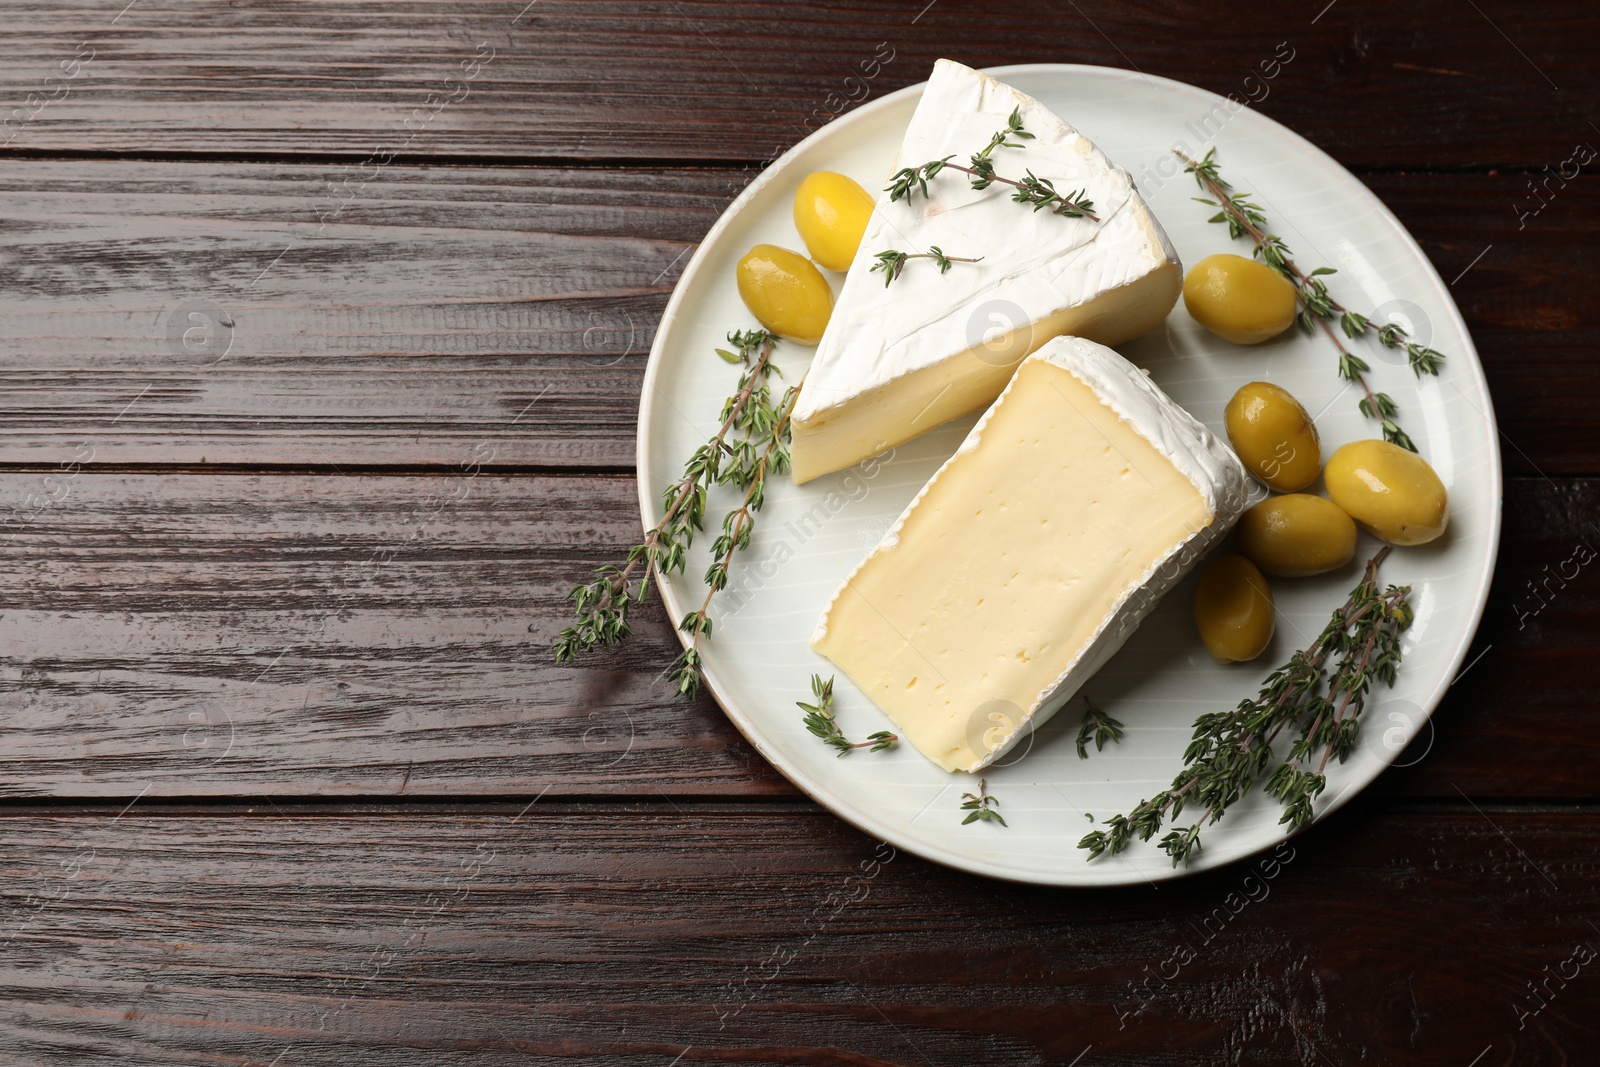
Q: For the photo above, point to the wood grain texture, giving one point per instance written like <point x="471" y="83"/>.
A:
<point x="420" y="249"/>
<point x="1527" y="677"/>
<point x="248" y="314"/>
<point x="553" y="934"/>
<point x="320" y="635"/>
<point x="325" y="635"/>
<point x="505" y="314"/>
<point x="1420" y="83"/>
<point x="1515" y="272"/>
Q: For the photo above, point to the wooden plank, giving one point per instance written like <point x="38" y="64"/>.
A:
<point x="1506" y="261"/>
<point x="760" y="936"/>
<point x="444" y="314"/>
<point x="237" y="634"/>
<point x="1424" y="83"/>
<point x="242" y="634"/>
<point x="248" y="314"/>
<point x="1514" y="723"/>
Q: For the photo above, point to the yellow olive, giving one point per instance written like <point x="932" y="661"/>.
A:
<point x="1239" y="299"/>
<point x="1274" y="437"/>
<point x="1296" y="535"/>
<point x="831" y="212"/>
<point x="785" y="292"/>
<point x="1233" y="609"/>
<point x="1391" y="492"/>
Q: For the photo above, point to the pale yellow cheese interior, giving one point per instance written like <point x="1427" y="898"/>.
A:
<point x="1007" y="566"/>
<point x="912" y="404"/>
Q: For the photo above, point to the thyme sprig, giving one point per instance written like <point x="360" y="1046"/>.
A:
<point x="601" y="605"/>
<point x="980" y="805"/>
<point x="1230" y="751"/>
<point x="768" y="430"/>
<point x="1039" y="192"/>
<point x="1318" y="308"/>
<point x="982" y="165"/>
<point x="1098" y="727"/>
<point x="892" y="261"/>
<point x="820" y="721"/>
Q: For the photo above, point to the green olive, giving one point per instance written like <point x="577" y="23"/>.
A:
<point x="1233" y="609"/>
<point x="1390" y="491"/>
<point x="1297" y="535"/>
<point x="1274" y="436"/>
<point x="785" y="292"/>
<point x="831" y="212"/>
<point x="1239" y="299"/>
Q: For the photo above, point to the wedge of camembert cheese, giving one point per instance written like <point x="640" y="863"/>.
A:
<point x="897" y="360"/>
<point x="1079" y="498"/>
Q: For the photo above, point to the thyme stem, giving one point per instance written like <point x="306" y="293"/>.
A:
<point x="737" y="529"/>
<point x="1246" y="219"/>
<point x="1075" y="204"/>
<point x="892" y="261"/>
<point x="1231" y="750"/>
<point x="820" y="722"/>
<point x="1098" y="727"/>
<point x="1039" y="192"/>
<point x="980" y="806"/>
<point x="602" y="604"/>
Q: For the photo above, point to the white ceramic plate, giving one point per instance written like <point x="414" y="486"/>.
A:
<point x="809" y="537"/>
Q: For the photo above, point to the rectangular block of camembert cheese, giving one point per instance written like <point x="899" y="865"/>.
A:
<point x="898" y="360"/>
<point x="1079" y="498"/>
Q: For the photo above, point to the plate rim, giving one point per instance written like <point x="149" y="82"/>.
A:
<point x="821" y="794"/>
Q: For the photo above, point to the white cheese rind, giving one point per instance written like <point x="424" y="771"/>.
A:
<point x="1206" y="461"/>
<point x="898" y="360"/>
<point x="1193" y="451"/>
<point x="1211" y="467"/>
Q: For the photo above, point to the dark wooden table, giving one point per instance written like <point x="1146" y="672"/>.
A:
<point x="324" y="327"/>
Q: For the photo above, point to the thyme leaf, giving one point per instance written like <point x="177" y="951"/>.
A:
<point x="892" y="261"/>
<point x="980" y="806"/>
<point x="751" y="441"/>
<point x="820" y="721"/>
<point x="1038" y="192"/>
<point x="1098" y="727"/>
<point x="1231" y="751"/>
<point x="1318" y="308"/>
